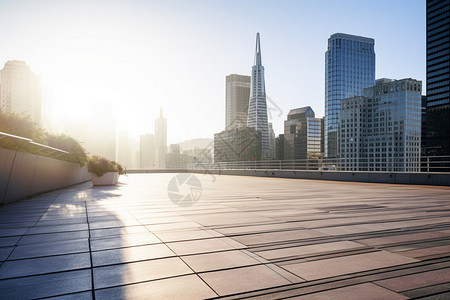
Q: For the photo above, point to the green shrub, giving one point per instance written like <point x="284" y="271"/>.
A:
<point x="77" y="154"/>
<point x="100" y="165"/>
<point x="119" y="168"/>
<point x="23" y="126"/>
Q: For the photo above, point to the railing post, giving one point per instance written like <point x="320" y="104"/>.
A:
<point x="428" y="164"/>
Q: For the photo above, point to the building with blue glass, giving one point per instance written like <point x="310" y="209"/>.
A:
<point x="302" y="134"/>
<point x="349" y="68"/>
<point x="438" y="78"/>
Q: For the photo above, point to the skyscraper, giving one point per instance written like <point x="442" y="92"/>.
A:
<point x="239" y="144"/>
<point x="302" y="134"/>
<point x="349" y="68"/>
<point x="125" y="150"/>
<point x="147" y="153"/>
<point x="438" y="78"/>
<point x="381" y="130"/>
<point x="20" y="90"/>
<point x="237" y="97"/>
<point x="272" y="141"/>
<point x="161" y="140"/>
<point x="257" y="110"/>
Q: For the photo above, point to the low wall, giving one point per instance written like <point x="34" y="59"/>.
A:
<point x="442" y="179"/>
<point x="24" y="174"/>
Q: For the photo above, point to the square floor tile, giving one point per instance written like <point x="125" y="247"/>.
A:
<point x="219" y="260"/>
<point x="307" y="250"/>
<point x="123" y="255"/>
<point x="415" y="281"/>
<point x="243" y="279"/>
<point x="347" y="264"/>
<point x="121" y="241"/>
<point x="366" y="291"/>
<point x="183" y="287"/>
<point x="45" y="285"/>
<point x="204" y="246"/>
<point x="34" y="266"/>
<point x="139" y="271"/>
<point x="53" y="237"/>
<point x="50" y="248"/>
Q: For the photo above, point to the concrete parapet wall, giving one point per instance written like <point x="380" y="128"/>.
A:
<point x="24" y="174"/>
<point x="442" y="179"/>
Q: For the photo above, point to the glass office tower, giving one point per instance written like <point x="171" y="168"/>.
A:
<point x="349" y="68"/>
<point x="438" y="78"/>
<point x="302" y="134"/>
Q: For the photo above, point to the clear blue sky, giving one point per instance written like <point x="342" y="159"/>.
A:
<point x="139" y="55"/>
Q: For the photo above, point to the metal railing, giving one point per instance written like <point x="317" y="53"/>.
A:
<point x="33" y="147"/>
<point x="410" y="164"/>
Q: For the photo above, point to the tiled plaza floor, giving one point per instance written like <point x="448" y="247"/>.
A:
<point x="246" y="237"/>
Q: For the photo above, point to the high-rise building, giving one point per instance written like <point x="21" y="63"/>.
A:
<point x="279" y="147"/>
<point x="272" y="142"/>
<point x="161" y="140"/>
<point x="147" y="151"/>
<point x="239" y="144"/>
<point x="20" y="90"/>
<point x="257" y="110"/>
<point x="381" y="130"/>
<point x="237" y="97"/>
<point x="349" y="68"/>
<point x="423" y="135"/>
<point x="127" y="150"/>
<point x="438" y="78"/>
<point x="302" y="134"/>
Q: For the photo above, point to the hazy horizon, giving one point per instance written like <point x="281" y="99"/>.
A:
<point x="137" y="56"/>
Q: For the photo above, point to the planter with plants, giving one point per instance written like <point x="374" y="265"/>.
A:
<point x="104" y="171"/>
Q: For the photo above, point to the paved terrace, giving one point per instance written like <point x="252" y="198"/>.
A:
<point x="245" y="237"/>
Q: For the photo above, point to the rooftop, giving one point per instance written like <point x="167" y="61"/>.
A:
<point x="246" y="236"/>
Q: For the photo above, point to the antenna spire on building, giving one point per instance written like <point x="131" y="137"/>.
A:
<point x="257" y="61"/>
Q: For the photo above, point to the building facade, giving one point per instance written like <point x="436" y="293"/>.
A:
<point x="161" y="141"/>
<point x="127" y="150"/>
<point x="381" y="131"/>
<point x="272" y="143"/>
<point x="438" y="78"/>
<point x="257" y="110"/>
<point x="349" y="68"/>
<point x="20" y="90"/>
<point x="237" y="97"/>
<point x="279" y="147"/>
<point x="147" y="153"/>
<point x="239" y="144"/>
<point x="302" y="134"/>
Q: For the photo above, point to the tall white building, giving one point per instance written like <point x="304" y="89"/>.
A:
<point x="20" y="90"/>
<point x="257" y="110"/>
<point x="161" y="140"/>
<point x="381" y="131"/>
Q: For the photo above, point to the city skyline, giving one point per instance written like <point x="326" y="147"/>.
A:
<point x="108" y="52"/>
